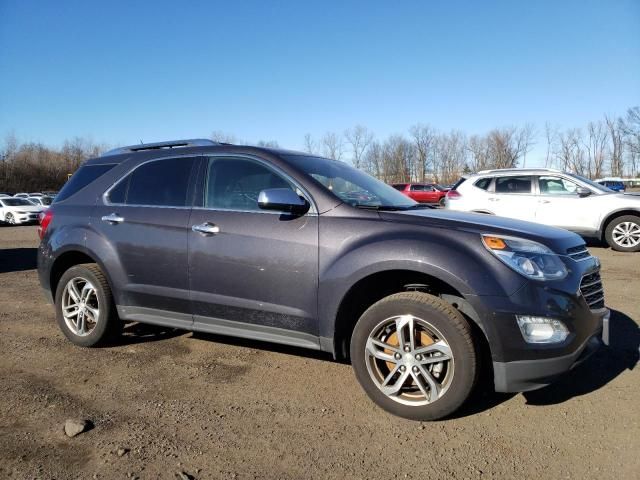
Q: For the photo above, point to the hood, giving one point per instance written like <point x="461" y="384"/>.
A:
<point x="557" y="239"/>
<point x="27" y="208"/>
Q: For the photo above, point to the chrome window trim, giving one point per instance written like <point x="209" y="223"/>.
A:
<point x="313" y="210"/>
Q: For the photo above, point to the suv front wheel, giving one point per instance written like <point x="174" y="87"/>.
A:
<point x="414" y="356"/>
<point x="623" y="233"/>
<point x="84" y="306"/>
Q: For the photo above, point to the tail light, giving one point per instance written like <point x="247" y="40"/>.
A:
<point x="453" y="194"/>
<point x="45" y="219"/>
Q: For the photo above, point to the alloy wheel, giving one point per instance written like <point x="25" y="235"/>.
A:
<point x="626" y="234"/>
<point x="9" y="218"/>
<point x="80" y="306"/>
<point x="409" y="360"/>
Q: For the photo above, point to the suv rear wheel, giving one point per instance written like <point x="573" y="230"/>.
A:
<point x="623" y="233"/>
<point x="84" y="306"/>
<point x="414" y="356"/>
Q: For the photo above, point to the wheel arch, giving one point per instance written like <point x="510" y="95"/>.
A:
<point x="375" y="286"/>
<point x="69" y="258"/>
<point x="612" y="216"/>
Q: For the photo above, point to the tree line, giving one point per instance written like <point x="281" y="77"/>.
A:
<point x="608" y="146"/>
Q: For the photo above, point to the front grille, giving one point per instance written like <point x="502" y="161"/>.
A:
<point x="578" y="253"/>
<point x="592" y="291"/>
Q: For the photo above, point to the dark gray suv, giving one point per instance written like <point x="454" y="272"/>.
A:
<point x="290" y="248"/>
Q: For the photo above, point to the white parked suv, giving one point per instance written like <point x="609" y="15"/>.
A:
<point x="552" y="197"/>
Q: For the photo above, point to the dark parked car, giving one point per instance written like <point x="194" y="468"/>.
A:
<point x="285" y="247"/>
<point x="423" y="192"/>
<point x="615" y="185"/>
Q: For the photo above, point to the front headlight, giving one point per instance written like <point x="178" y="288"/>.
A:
<point x="529" y="258"/>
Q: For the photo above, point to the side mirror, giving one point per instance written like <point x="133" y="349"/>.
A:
<point x="583" y="192"/>
<point x="282" y="200"/>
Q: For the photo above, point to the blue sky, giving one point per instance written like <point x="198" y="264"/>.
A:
<point x="124" y="71"/>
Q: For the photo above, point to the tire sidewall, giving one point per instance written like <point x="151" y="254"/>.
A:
<point x="609" y="233"/>
<point x="104" y="301"/>
<point x="465" y="372"/>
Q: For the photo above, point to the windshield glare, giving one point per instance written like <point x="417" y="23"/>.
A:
<point x="592" y="184"/>
<point x="14" y="202"/>
<point x="351" y="185"/>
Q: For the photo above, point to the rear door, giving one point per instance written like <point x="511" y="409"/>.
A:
<point x="560" y="205"/>
<point x="514" y="197"/>
<point x="144" y="218"/>
<point x="419" y="193"/>
<point x="255" y="274"/>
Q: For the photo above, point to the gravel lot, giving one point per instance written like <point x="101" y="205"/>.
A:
<point x="212" y="407"/>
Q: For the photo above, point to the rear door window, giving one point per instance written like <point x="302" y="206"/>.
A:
<point x="160" y="183"/>
<point x="418" y="188"/>
<point x="513" y="185"/>
<point x="83" y="177"/>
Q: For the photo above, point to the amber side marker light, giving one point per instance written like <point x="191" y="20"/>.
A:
<point x="494" y="243"/>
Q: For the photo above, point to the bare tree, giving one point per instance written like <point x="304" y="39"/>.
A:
<point x="508" y="145"/>
<point x="613" y="125"/>
<point x="359" y="138"/>
<point x="332" y="145"/>
<point x="373" y="160"/>
<point x="480" y="151"/>
<point x="267" y="143"/>
<point x="222" y="137"/>
<point x="595" y="145"/>
<point x="423" y="138"/>
<point x="569" y="153"/>
<point x="551" y="136"/>
<point x="309" y="144"/>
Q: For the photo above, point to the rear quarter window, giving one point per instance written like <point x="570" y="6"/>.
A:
<point x="83" y="177"/>
<point x="483" y="183"/>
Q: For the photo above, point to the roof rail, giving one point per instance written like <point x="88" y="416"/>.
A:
<point x="532" y="169"/>
<point x="196" y="142"/>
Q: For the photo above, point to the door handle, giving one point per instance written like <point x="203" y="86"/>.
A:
<point x="545" y="201"/>
<point x="113" y="218"/>
<point x="206" y="229"/>
<point x="493" y="199"/>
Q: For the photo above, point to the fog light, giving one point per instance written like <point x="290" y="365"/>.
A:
<point x="542" y="329"/>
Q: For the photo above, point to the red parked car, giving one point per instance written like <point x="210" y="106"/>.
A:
<point x="423" y="192"/>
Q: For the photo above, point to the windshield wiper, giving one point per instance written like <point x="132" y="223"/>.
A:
<point x="391" y="208"/>
<point x="418" y="206"/>
<point x="378" y="207"/>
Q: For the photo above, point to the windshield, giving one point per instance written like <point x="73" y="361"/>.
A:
<point x="46" y="200"/>
<point x="599" y="188"/>
<point x="14" y="202"/>
<point x="351" y="185"/>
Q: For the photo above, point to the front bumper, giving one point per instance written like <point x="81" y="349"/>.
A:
<point x="525" y="375"/>
<point x="26" y="218"/>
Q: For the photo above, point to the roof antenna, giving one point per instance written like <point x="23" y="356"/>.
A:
<point x="141" y="142"/>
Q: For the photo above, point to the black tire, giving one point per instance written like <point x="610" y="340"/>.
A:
<point x="442" y="202"/>
<point x="609" y="233"/>
<point x="108" y="325"/>
<point x="8" y="218"/>
<point x="457" y="334"/>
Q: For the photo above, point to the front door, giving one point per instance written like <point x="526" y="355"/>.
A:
<point x="145" y="216"/>
<point x="559" y="205"/>
<point x="253" y="273"/>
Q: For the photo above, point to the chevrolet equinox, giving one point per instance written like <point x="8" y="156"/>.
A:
<point x="287" y="247"/>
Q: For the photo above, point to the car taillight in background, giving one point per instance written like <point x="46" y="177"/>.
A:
<point x="453" y="194"/>
<point x="45" y="219"/>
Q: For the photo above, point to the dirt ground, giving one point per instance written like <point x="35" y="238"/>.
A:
<point x="204" y="406"/>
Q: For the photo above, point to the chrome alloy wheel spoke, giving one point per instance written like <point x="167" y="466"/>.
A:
<point x="80" y="306"/>
<point x="409" y="360"/>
